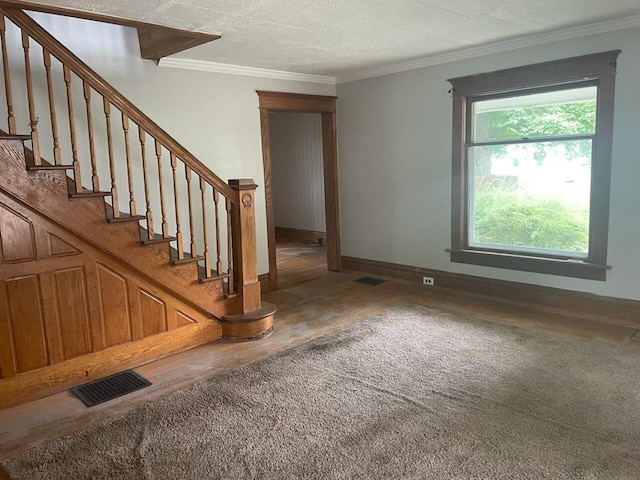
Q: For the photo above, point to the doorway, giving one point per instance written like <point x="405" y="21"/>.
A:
<point x="271" y="102"/>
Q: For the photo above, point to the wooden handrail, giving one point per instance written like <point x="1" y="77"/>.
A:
<point x="88" y="75"/>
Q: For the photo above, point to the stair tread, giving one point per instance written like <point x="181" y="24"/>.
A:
<point x="14" y="137"/>
<point x="204" y="279"/>
<point x="157" y="238"/>
<point x="49" y="167"/>
<point x="188" y="258"/>
<point x="124" y="217"/>
<point x="89" y="193"/>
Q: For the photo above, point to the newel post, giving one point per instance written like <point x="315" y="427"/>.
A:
<point x="245" y="258"/>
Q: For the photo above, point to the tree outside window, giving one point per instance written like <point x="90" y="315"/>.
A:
<point x="531" y="163"/>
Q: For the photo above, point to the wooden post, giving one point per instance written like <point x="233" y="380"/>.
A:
<point x="245" y="258"/>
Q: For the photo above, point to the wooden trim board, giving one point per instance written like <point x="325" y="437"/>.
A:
<point x="325" y="105"/>
<point x="610" y="310"/>
<point x="265" y="282"/>
<point x="299" y="235"/>
<point x="156" y="41"/>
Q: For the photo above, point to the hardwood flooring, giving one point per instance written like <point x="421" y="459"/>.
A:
<point x="311" y="302"/>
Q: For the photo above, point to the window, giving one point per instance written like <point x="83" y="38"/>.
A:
<point x="531" y="167"/>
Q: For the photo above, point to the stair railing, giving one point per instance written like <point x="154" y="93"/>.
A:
<point x="236" y="199"/>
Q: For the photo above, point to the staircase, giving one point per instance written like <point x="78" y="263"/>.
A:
<point x="117" y="245"/>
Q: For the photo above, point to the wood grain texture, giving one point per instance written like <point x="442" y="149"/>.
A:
<point x="17" y="239"/>
<point x="100" y="85"/>
<point x="326" y="105"/>
<point x="73" y="311"/>
<point x="311" y="302"/>
<point x="265" y="282"/>
<point x="243" y="221"/>
<point x="62" y="376"/>
<point x="249" y="326"/>
<point x="331" y="195"/>
<point x="114" y="306"/>
<point x="60" y="248"/>
<point x="182" y="319"/>
<point x="86" y="218"/>
<point x="57" y="312"/>
<point x="586" y="306"/>
<point x="268" y="195"/>
<point x="299" y="235"/>
<point x="26" y="321"/>
<point x="296" y="102"/>
<point x="153" y="314"/>
<point x="156" y="41"/>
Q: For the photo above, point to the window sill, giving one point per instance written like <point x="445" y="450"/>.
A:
<point x="551" y="266"/>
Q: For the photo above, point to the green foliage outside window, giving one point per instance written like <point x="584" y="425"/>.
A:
<point x="504" y="217"/>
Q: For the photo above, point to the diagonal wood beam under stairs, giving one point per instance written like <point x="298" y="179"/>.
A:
<point x="156" y="41"/>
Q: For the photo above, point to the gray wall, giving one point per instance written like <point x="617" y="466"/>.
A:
<point x="215" y="116"/>
<point x="395" y="165"/>
<point x="297" y="171"/>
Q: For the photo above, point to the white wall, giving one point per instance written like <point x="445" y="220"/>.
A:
<point x="297" y="172"/>
<point x="395" y="165"/>
<point x="215" y="116"/>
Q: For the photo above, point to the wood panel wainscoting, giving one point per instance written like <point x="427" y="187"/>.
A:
<point x="309" y="236"/>
<point x="70" y="313"/>
<point x="587" y="306"/>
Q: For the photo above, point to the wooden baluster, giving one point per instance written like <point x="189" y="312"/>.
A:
<point x="52" y="108"/>
<point x="112" y="167"/>
<point x="7" y="77"/>
<point x="205" y="234"/>
<point x="92" y="149"/>
<point x="147" y="197"/>
<point x="216" y="200"/>
<point x="127" y="152"/>
<point x="163" y="211"/>
<point x="229" y="207"/>
<point x="72" y="130"/>
<point x="180" y="247"/>
<point x="33" y="119"/>
<point x="194" y="250"/>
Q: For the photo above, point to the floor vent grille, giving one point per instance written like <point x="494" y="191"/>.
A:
<point x="111" y="387"/>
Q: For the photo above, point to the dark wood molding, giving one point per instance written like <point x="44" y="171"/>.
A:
<point x="265" y="282"/>
<point x="156" y="41"/>
<point x="296" y="102"/>
<point x="241" y="327"/>
<point x="265" y="132"/>
<point x="587" y="306"/>
<point x="539" y="74"/>
<point x="299" y="235"/>
<point x="301" y="103"/>
<point x="597" y="69"/>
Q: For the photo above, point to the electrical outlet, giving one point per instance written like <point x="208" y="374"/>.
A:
<point x="428" y="281"/>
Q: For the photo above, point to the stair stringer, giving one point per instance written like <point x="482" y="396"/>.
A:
<point x="71" y="312"/>
<point x="47" y="193"/>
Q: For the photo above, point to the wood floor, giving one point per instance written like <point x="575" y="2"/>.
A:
<point x="311" y="302"/>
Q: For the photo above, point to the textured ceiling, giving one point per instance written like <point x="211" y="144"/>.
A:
<point x="337" y="37"/>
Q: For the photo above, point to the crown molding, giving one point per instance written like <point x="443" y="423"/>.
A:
<point x="497" y="47"/>
<point x="229" y="69"/>
<point x="427" y="61"/>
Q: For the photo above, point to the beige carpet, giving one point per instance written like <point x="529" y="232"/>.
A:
<point x="411" y="393"/>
